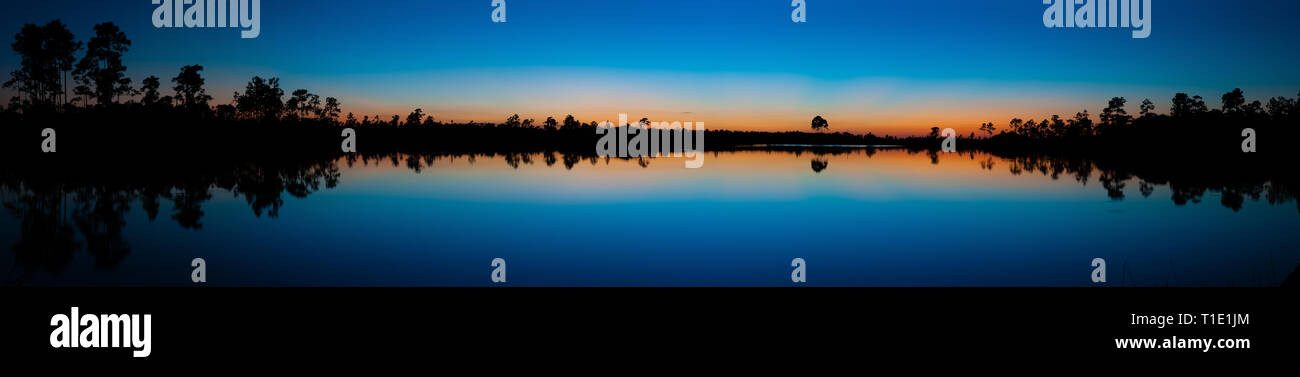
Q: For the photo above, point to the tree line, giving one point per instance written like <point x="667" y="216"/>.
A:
<point x="50" y="79"/>
<point x="1185" y="108"/>
<point x="49" y="66"/>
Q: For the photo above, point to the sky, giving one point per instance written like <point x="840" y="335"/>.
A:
<point x="886" y="67"/>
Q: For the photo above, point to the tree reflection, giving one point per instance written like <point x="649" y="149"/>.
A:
<point x="47" y="239"/>
<point x="60" y="215"/>
<point x="819" y="164"/>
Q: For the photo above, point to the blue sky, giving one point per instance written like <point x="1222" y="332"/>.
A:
<point x="881" y="66"/>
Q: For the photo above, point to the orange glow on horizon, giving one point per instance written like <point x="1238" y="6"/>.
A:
<point x="898" y="123"/>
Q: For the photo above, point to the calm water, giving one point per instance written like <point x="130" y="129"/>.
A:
<point x="880" y="217"/>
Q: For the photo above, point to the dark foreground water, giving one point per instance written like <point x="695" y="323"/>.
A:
<point x="871" y="217"/>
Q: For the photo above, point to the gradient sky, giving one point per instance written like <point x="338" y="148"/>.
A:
<point x="888" y="67"/>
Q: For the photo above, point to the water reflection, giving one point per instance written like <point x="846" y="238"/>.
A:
<point x="60" y="216"/>
<point x="1188" y="181"/>
<point x="819" y="164"/>
<point x="47" y="239"/>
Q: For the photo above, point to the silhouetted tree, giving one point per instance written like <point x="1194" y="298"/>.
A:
<point x="189" y="88"/>
<point x="1147" y="109"/>
<point x="1280" y="107"/>
<point x="1254" y="109"/>
<point x="1058" y="126"/>
<point x="414" y="118"/>
<point x="549" y="124"/>
<point x="34" y="75"/>
<point x="1034" y="129"/>
<point x="302" y="103"/>
<point x="1234" y="101"/>
<point x="32" y="78"/>
<point x="149" y="87"/>
<point x="331" y="110"/>
<point x="988" y="128"/>
<point x="1081" y="125"/>
<point x="1114" y="114"/>
<point x="570" y="123"/>
<point x="261" y="99"/>
<point x="1016" y="125"/>
<point x="512" y="121"/>
<point x="62" y="46"/>
<point x="46" y="55"/>
<point x="1184" y="106"/>
<point x="819" y="123"/>
<point x="101" y="71"/>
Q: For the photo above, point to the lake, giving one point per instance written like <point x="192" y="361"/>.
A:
<point x="856" y="216"/>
